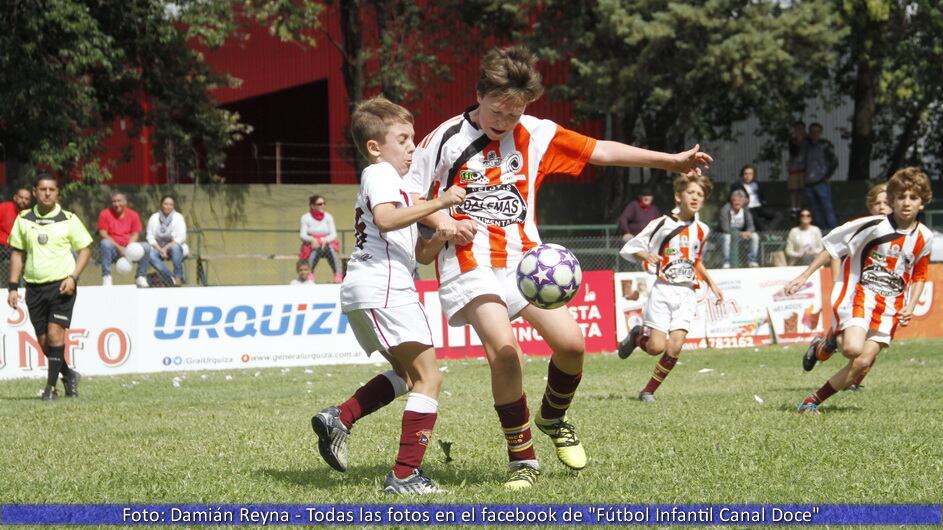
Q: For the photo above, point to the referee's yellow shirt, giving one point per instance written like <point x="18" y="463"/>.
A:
<point x="48" y="241"/>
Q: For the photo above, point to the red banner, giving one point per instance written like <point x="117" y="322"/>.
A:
<point x="593" y="308"/>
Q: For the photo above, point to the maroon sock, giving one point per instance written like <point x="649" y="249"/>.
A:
<point x="375" y="394"/>
<point x="662" y="369"/>
<point x="642" y="342"/>
<point x="515" y="421"/>
<point x="413" y="440"/>
<point x="559" y="393"/>
<point x="821" y="394"/>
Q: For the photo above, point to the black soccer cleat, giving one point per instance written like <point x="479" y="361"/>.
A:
<point x="809" y="359"/>
<point x="72" y="384"/>
<point x="50" y="393"/>
<point x="627" y="346"/>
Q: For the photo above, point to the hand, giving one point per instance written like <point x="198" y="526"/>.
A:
<point x="691" y="160"/>
<point x="465" y="231"/>
<point x="903" y="318"/>
<point x="447" y="231"/>
<point x="13" y="298"/>
<point x="627" y="236"/>
<point x="67" y="286"/>
<point x="453" y="196"/>
<point x="163" y="253"/>
<point x="323" y="244"/>
<point x="746" y="234"/>
<point x="718" y="294"/>
<point x="653" y="260"/>
<point x="121" y="250"/>
<point x="793" y="287"/>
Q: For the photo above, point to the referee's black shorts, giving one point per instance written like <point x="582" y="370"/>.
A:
<point x="46" y="305"/>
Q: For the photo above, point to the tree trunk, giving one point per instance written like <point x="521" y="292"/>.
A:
<point x="862" y="133"/>
<point x="352" y="27"/>
<point x="905" y="141"/>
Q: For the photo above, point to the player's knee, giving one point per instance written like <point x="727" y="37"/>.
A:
<point x="656" y="346"/>
<point x="506" y="359"/>
<point x="852" y="350"/>
<point x="861" y="363"/>
<point x="572" y="347"/>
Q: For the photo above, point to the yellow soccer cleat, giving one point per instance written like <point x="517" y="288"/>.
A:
<point x="522" y="477"/>
<point x="563" y="435"/>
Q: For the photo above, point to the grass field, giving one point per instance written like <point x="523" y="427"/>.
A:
<point x="244" y="436"/>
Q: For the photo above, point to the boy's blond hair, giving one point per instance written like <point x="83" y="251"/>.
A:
<point x="873" y="193"/>
<point x="510" y="72"/>
<point x="682" y="181"/>
<point x="910" y="179"/>
<point x="371" y="120"/>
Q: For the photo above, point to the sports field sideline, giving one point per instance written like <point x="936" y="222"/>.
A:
<point x="724" y="430"/>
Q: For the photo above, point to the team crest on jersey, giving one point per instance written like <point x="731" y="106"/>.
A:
<point x="513" y="162"/>
<point x="499" y="205"/>
<point x="491" y="159"/>
<point x="472" y="177"/>
<point x="42" y="239"/>
<point x="894" y="251"/>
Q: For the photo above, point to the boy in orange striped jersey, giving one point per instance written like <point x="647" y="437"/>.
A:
<point x="887" y="257"/>
<point x="671" y="247"/>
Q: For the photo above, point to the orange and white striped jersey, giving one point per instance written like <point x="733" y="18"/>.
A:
<point x="500" y="178"/>
<point x="678" y="244"/>
<point x="880" y="263"/>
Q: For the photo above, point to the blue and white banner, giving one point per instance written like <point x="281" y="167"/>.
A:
<point x="119" y="330"/>
<point x="447" y="514"/>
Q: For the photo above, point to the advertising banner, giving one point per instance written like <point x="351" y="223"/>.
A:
<point x="592" y="308"/>
<point x="754" y="311"/>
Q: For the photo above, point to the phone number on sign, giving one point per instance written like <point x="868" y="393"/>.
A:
<point x="724" y="342"/>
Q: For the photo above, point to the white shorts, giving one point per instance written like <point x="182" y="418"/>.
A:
<point x="385" y="328"/>
<point x="456" y="293"/>
<point x="876" y="335"/>
<point x="670" y="307"/>
<point x="880" y="327"/>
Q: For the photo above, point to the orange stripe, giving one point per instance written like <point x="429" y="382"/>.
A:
<point x="844" y="289"/>
<point x="878" y="312"/>
<point x="858" y="303"/>
<point x="522" y="144"/>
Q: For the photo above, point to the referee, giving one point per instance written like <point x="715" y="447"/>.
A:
<point x="46" y="234"/>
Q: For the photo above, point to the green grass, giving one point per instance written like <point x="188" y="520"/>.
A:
<point x="244" y="436"/>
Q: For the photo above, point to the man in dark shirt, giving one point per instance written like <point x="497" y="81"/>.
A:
<point x="637" y="214"/>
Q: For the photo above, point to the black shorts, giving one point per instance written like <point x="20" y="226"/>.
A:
<point x="46" y="305"/>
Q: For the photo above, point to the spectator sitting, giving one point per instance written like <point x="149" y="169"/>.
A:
<point x="637" y="214"/>
<point x="118" y="226"/>
<point x="167" y="237"/>
<point x="735" y="217"/>
<point x="764" y="218"/>
<point x="8" y="212"/>
<point x="804" y="241"/>
<point x="319" y="238"/>
<point x="304" y="273"/>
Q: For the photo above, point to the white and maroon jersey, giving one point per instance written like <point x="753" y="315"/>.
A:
<point x="500" y="178"/>
<point x="678" y="245"/>
<point x="380" y="269"/>
<point x="880" y="262"/>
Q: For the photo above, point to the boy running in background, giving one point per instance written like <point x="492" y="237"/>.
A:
<point x="882" y="278"/>
<point x="671" y="247"/>
<point x="379" y="297"/>
<point x="822" y="348"/>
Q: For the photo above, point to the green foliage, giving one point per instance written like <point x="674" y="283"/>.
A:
<point x="70" y="68"/>
<point x="140" y="439"/>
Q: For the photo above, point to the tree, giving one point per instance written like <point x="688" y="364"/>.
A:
<point x="70" y="68"/>
<point x="668" y="74"/>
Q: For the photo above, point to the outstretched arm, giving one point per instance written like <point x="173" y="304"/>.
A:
<point x="699" y="267"/>
<point x="822" y="259"/>
<point x="608" y="153"/>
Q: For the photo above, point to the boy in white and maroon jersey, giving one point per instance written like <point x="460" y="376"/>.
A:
<point x="379" y="297"/>
<point x="500" y="156"/>
<point x="881" y="279"/>
<point x="671" y="248"/>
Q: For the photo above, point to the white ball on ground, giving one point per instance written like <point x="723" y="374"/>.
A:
<point x="134" y="252"/>
<point x="123" y="266"/>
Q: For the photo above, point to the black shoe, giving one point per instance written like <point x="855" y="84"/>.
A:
<point x="855" y="388"/>
<point x="809" y="359"/>
<point x="627" y="346"/>
<point x="50" y="393"/>
<point x="72" y="384"/>
<point x="332" y="437"/>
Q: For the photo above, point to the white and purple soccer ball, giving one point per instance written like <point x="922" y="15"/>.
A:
<point x="549" y="276"/>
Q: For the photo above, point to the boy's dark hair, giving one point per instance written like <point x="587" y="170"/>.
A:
<point x="746" y="167"/>
<point x="682" y="181"/>
<point x="510" y="72"/>
<point x="44" y="176"/>
<point x="910" y="179"/>
<point x="371" y="120"/>
<point x="300" y="263"/>
<point x="816" y="125"/>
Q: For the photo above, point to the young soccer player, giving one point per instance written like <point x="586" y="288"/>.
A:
<point x="379" y="297"/>
<point x="822" y="348"/>
<point x="671" y="247"/>
<point x="882" y="278"/>
<point x="500" y="156"/>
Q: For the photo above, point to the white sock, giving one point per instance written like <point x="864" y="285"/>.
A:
<point x="421" y="403"/>
<point x="399" y="384"/>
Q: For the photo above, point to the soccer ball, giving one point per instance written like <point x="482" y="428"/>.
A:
<point x="134" y="252"/>
<point x="123" y="265"/>
<point x="549" y="276"/>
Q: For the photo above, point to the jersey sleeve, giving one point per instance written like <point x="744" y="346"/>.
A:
<point x="381" y="184"/>
<point x="642" y="241"/>
<point x="567" y="153"/>
<point x="78" y="234"/>
<point x="922" y="266"/>
<point x="17" y="240"/>
<point x="421" y="173"/>
<point x="838" y="242"/>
